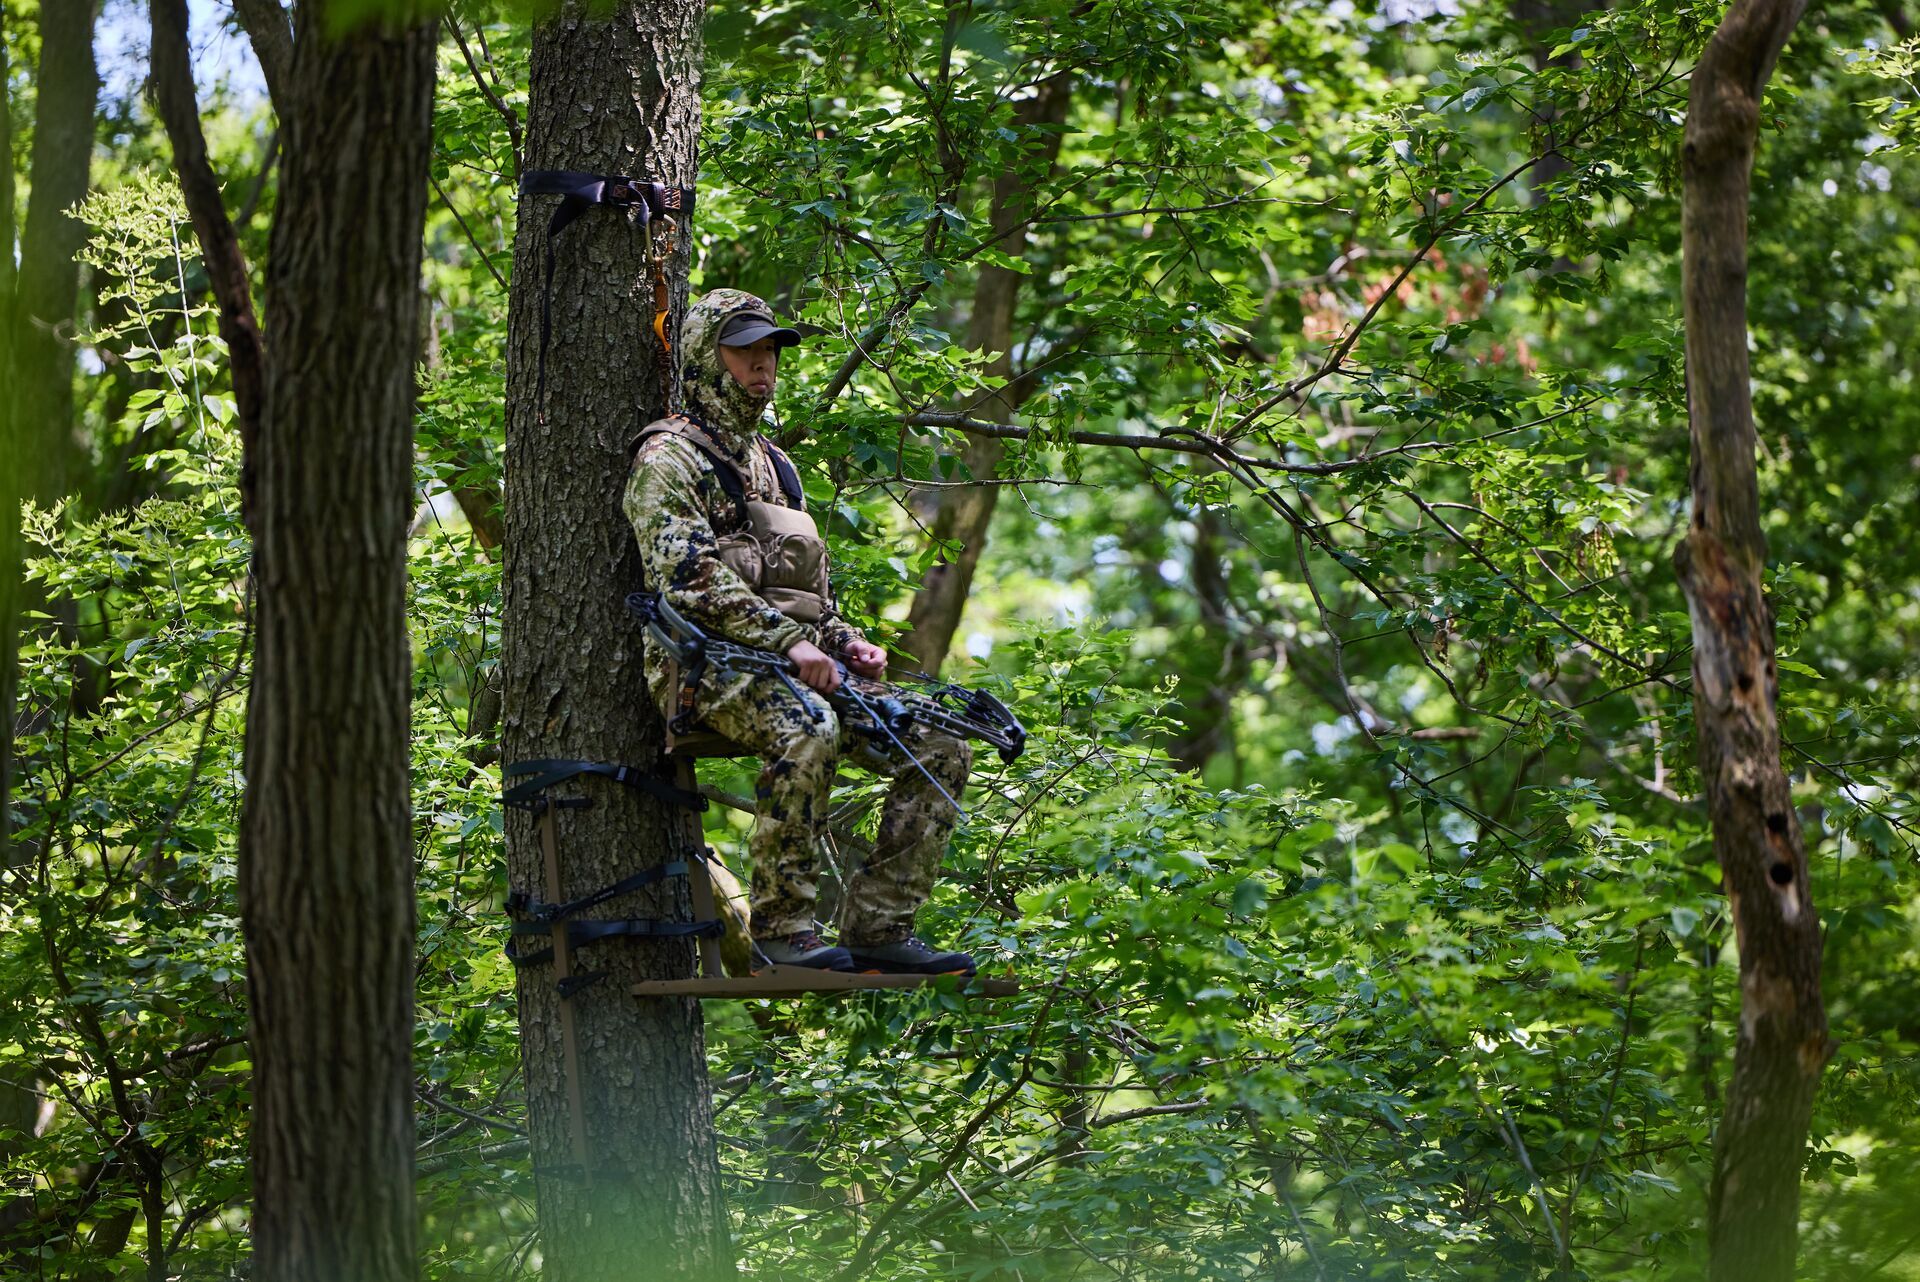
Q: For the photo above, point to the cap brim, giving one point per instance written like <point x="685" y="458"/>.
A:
<point x="753" y="331"/>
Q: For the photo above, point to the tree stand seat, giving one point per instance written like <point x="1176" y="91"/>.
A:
<point x="702" y="743"/>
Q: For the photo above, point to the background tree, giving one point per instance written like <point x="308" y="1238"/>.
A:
<point x="38" y="292"/>
<point x="39" y="287"/>
<point x="1782" y="1048"/>
<point x="962" y="516"/>
<point x="325" y="856"/>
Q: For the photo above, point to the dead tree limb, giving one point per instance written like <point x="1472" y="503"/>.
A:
<point x="1753" y="1211"/>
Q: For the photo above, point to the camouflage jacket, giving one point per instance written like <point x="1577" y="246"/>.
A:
<point x="678" y="511"/>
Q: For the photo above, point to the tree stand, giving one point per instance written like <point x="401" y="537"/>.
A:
<point x="553" y="917"/>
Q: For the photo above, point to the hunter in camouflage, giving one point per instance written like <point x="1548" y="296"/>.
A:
<point x="691" y="537"/>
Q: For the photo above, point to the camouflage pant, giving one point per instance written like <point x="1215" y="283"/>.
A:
<point x="799" y="754"/>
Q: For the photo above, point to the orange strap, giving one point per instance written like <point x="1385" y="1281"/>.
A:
<point x="663" y="301"/>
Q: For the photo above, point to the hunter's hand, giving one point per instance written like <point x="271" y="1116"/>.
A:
<point x="817" y="668"/>
<point x="865" y="658"/>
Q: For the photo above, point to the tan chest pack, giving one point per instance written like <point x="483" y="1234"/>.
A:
<point x="778" y="550"/>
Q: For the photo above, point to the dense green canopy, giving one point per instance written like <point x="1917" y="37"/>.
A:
<point x="1356" y="872"/>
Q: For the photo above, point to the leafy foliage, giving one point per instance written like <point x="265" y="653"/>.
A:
<point x="1356" y="875"/>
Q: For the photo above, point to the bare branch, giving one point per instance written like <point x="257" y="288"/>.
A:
<point x="271" y="33"/>
<point x="226" y="265"/>
<point x="479" y="249"/>
<point x="1150" y="1110"/>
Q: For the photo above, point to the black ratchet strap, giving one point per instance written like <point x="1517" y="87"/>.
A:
<point x="578" y="193"/>
<point x="526" y="796"/>
<point x="551" y="918"/>
<point x="544" y="913"/>
<point x="582" y="933"/>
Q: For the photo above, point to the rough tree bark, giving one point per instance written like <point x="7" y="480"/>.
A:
<point x="326" y="855"/>
<point x="610" y="92"/>
<point x="1753" y="1211"/>
<point x="964" y="515"/>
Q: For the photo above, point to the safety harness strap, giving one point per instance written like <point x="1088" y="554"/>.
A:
<point x="789" y="476"/>
<point x="580" y="192"/>
<point x="547" y="772"/>
<point x="694" y="432"/>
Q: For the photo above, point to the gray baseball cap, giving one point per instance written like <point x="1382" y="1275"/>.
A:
<point x="749" y="326"/>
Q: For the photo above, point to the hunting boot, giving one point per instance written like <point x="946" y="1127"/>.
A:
<point x="908" y="956"/>
<point x="803" y="948"/>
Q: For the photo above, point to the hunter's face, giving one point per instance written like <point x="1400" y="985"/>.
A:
<point x="755" y="366"/>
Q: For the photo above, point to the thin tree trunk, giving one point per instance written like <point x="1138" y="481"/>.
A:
<point x="481" y="507"/>
<point x="36" y="367"/>
<point x="10" y="478"/>
<point x="37" y="435"/>
<point x="610" y="92"/>
<point x="6" y="195"/>
<point x="48" y="285"/>
<point x="1753" y="1212"/>
<point x="173" y="92"/>
<point x="1537" y="20"/>
<point x="326" y="857"/>
<point x="964" y="515"/>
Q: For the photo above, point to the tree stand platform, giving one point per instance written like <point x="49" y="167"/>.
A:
<point x="554" y="919"/>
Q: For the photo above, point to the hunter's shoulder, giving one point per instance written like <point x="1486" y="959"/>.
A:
<point x="667" y="449"/>
<point x="663" y="434"/>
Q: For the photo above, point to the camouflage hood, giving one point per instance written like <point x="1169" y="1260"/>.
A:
<point x="731" y="413"/>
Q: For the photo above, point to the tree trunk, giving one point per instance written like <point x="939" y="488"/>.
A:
<point x="616" y="92"/>
<point x="965" y="514"/>
<point x="1753" y="1212"/>
<point x="326" y="856"/>
<point x="49" y="281"/>
<point x="6" y="197"/>
<point x="36" y="368"/>
<point x="10" y="447"/>
<point x="1538" y="19"/>
<point x="36" y="431"/>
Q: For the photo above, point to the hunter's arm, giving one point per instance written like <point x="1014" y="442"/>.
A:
<point x="680" y="552"/>
<point x="835" y="632"/>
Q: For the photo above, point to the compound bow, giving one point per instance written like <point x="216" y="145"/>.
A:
<point x="876" y="709"/>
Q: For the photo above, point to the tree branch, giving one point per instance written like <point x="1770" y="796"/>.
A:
<point x="1150" y="1110"/>
<point x="485" y="257"/>
<point x="956" y="1152"/>
<point x="226" y="264"/>
<point x="492" y="95"/>
<point x="270" y="31"/>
